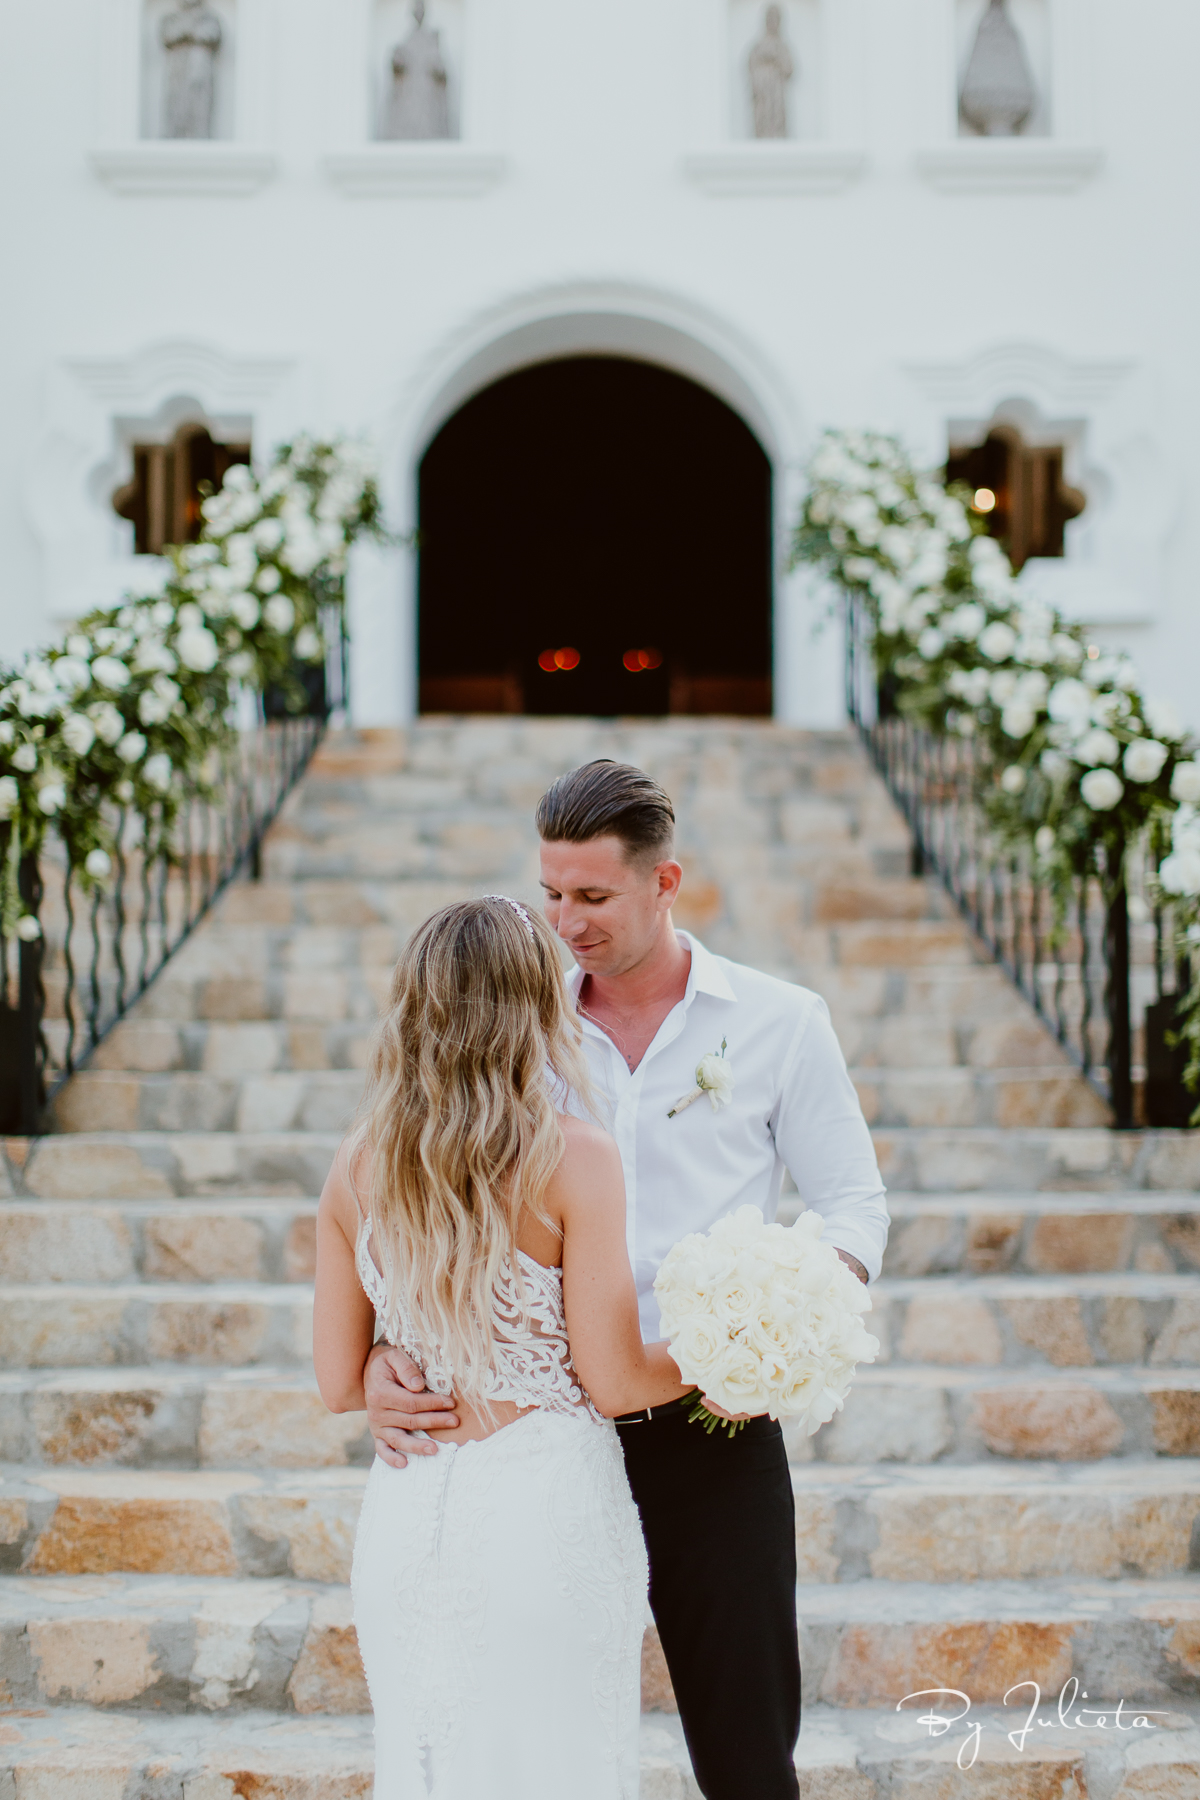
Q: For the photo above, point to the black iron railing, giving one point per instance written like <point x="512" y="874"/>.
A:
<point x="1094" y="963"/>
<point x="99" y="950"/>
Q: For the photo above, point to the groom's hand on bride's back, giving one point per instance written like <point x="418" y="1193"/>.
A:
<point x="398" y="1405"/>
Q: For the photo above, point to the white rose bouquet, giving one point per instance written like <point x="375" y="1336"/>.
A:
<point x="764" y="1318"/>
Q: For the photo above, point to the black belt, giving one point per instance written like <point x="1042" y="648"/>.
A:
<point x="649" y="1413"/>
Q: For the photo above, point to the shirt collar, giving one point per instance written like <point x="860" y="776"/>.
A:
<point x="705" y="976"/>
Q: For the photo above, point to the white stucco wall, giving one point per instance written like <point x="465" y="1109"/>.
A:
<point x="879" y="271"/>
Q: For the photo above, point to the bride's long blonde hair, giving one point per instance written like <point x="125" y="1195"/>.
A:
<point x="459" y="1130"/>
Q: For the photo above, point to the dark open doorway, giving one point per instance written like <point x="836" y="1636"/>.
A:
<point x="595" y="537"/>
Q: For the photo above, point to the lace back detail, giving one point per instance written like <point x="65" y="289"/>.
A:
<point x="533" y="1356"/>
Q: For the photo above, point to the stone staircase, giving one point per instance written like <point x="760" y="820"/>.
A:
<point x="1011" y="1494"/>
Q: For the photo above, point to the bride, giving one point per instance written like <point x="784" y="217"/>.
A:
<point x="499" y="1585"/>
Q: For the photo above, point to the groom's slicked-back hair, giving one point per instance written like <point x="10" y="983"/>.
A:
<point x="609" y="799"/>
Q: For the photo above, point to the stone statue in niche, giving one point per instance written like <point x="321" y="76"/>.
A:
<point x="418" y="105"/>
<point x="771" y="70"/>
<point x="998" y="93"/>
<point x="191" y="38"/>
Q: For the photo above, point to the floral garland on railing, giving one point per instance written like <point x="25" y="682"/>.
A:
<point x="1078" y="763"/>
<point x="133" y="709"/>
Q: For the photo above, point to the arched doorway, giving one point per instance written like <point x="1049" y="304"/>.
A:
<point x="595" y="537"/>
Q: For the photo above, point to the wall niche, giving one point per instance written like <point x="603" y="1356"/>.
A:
<point x="435" y="30"/>
<point x="800" y="29"/>
<point x="188" y="91"/>
<point x="1026" y="21"/>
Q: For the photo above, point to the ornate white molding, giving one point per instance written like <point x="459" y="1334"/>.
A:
<point x="178" y="167"/>
<point x="774" y="168"/>
<point x="444" y="170"/>
<point x="1007" y="371"/>
<point x="179" y="367"/>
<point x="1008" y="166"/>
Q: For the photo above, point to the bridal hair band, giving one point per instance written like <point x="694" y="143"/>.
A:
<point x="518" y="909"/>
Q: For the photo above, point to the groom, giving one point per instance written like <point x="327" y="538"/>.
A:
<point x="717" y="1513"/>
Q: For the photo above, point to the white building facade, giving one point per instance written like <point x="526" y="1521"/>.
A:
<point x="604" y="197"/>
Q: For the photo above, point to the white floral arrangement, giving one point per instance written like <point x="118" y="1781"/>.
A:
<point x="132" y="710"/>
<point x="764" y="1319"/>
<point x="1078" y="764"/>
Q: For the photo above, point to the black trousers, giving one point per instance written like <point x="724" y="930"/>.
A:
<point x="720" y="1527"/>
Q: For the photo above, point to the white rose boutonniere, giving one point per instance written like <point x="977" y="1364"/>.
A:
<point x="714" y="1077"/>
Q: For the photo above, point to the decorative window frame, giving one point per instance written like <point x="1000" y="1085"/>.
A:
<point x="362" y="167"/>
<point x="129" y="164"/>
<point x="1058" y="164"/>
<point x="728" y="168"/>
<point x="96" y="407"/>
<point x="1105" y="412"/>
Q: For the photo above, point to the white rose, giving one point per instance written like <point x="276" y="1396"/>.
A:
<point x="1180" y="873"/>
<point x="715" y="1075"/>
<point x="157" y="771"/>
<point x="78" y="733"/>
<point x="1144" y="759"/>
<point x="78" y="645"/>
<point x="308" y="644"/>
<point x="997" y="641"/>
<point x="1018" y="719"/>
<point x="132" y="747"/>
<point x="25" y="758"/>
<point x="1070" y="703"/>
<point x="966" y="621"/>
<point x="241" y="665"/>
<point x="1002" y="686"/>
<point x="1097" y="746"/>
<point x="72" y="673"/>
<point x="1185" y="782"/>
<point x="1013" y="779"/>
<point x="52" y="797"/>
<point x="1101" y="789"/>
<point x="279" y="613"/>
<point x="110" y="672"/>
<point x="107" y="720"/>
<point x="153" y="654"/>
<point x="268" y="534"/>
<point x="1044" y="839"/>
<point x="98" y="864"/>
<point x="153" y="709"/>
<point x="10" y="794"/>
<point x="246" y="611"/>
<point x="1162" y="716"/>
<point x="931" y="643"/>
<point x="269" y="579"/>
<point x="28" y="929"/>
<point x="197" y="649"/>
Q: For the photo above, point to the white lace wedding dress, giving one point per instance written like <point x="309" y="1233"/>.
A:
<point x="499" y="1586"/>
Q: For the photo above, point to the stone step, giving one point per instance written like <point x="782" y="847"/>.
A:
<point x="181" y="1418"/>
<point x="916" y="1159"/>
<point x="922" y="1415"/>
<point x="67" y="1324"/>
<point x="325" y="1099"/>
<point x="1042" y="1234"/>
<point x="1023" y="1321"/>
<point x="272" y="1418"/>
<point x="75" y="1753"/>
<point x="899" y="1041"/>
<point x="900" y="1522"/>
<point x="175" y="1643"/>
<point x="85" y="1241"/>
<point x="1033" y="1159"/>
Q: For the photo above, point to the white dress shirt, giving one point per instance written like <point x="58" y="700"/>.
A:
<point x="793" y="1106"/>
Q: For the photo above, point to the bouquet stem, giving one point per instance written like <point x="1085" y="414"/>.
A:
<point x="700" y="1415"/>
